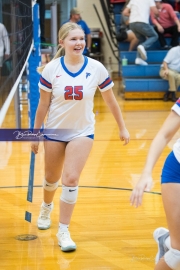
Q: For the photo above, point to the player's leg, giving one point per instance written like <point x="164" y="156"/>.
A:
<point x="161" y="236"/>
<point x="54" y="158"/>
<point x="76" y="154"/>
<point x="170" y="195"/>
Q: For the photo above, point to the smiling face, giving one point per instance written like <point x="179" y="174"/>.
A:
<point x="74" y="43"/>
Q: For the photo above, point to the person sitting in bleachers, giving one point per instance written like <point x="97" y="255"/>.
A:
<point x="125" y="34"/>
<point x="170" y="70"/>
<point x="139" y="13"/>
<point x="167" y="22"/>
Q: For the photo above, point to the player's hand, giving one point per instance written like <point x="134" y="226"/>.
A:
<point x="124" y="136"/>
<point x="145" y="184"/>
<point x="35" y="147"/>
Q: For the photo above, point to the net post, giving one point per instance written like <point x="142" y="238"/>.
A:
<point x="33" y="63"/>
<point x="33" y="94"/>
<point x="54" y="27"/>
<point x="14" y="61"/>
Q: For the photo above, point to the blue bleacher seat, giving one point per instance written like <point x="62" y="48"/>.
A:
<point x="141" y="71"/>
<point x="117" y="19"/>
<point x="153" y="56"/>
<point x="137" y="78"/>
<point x="146" y="85"/>
<point x="124" y="46"/>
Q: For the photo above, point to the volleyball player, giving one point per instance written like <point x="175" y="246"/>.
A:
<point x="67" y="88"/>
<point x="168" y="256"/>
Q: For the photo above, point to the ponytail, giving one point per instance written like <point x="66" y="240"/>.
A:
<point x="59" y="53"/>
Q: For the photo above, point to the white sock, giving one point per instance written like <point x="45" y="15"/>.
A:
<point x="168" y="242"/>
<point x="63" y="227"/>
<point x="48" y="205"/>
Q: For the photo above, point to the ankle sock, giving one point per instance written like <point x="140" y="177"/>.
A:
<point x="167" y="242"/>
<point x="48" y="205"/>
<point x="63" y="227"/>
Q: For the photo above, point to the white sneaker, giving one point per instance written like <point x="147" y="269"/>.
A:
<point x="65" y="241"/>
<point x="141" y="62"/>
<point x="160" y="235"/>
<point x="142" y="52"/>
<point x="44" y="221"/>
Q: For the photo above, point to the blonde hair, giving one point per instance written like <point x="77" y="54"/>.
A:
<point x="63" y="33"/>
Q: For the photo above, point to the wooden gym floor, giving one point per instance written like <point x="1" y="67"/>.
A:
<point x="110" y="234"/>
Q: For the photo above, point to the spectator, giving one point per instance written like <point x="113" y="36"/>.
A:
<point x="166" y="23"/>
<point x="170" y="71"/>
<point x="4" y="45"/>
<point x="75" y="17"/>
<point x="139" y="12"/>
<point x="125" y="33"/>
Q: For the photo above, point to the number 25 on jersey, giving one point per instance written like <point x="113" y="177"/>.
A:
<point x="75" y="92"/>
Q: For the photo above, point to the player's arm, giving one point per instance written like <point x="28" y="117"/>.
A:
<point x="43" y="106"/>
<point x="42" y="109"/>
<point x="165" y="134"/>
<point x="113" y="105"/>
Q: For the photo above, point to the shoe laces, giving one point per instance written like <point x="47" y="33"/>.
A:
<point x="65" y="236"/>
<point x="44" y="213"/>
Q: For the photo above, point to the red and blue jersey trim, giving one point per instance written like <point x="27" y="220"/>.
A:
<point x="45" y="83"/>
<point x="105" y="83"/>
<point x="178" y="102"/>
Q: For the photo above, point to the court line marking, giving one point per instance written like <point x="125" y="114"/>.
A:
<point x="95" y="187"/>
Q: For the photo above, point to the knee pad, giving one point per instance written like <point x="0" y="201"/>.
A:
<point x="50" y="186"/>
<point x="69" y="194"/>
<point x="172" y="259"/>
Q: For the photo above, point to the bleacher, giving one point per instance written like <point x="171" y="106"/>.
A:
<point x="141" y="82"/>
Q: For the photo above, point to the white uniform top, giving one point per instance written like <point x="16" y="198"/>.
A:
<point x="172" y="58"/>
<point x="140" y="10"/>
<point x="4" y="41"/>
<point x="71" y="109"/>
<point x="176" y="146"/>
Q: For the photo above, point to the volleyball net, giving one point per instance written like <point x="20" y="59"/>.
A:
<point x="17" y="41"/>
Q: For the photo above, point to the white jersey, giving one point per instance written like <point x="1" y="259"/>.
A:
<point x="4" y="41"/>
<point x="71" y="109"/>
<point x="176" y="146"/>
<point x="140" y="10"/>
